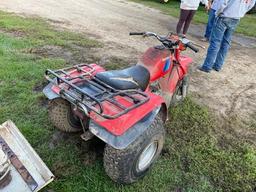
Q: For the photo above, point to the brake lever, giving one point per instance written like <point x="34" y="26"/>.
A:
<point x="186" y="41"/>
<point x="198" y="45"/>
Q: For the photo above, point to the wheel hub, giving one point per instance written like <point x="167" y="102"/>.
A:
<point x="147" y="156"/>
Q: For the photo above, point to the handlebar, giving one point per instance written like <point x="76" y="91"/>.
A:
<point x="193" y="48"/>
<point x="167" y="41"/>
<point x="148" y="34"/>
<point x="137" y="33"/>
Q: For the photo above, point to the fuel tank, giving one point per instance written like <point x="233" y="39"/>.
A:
<point x="160" y="62"/>
<point x="157" y="61"/>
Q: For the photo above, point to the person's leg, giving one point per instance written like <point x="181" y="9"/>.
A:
<point x="210" y="23"/>
<point x="226" y="42"/>
<point x="188" y="21"/>
<point x="215" y="43"/>
<point x="182" y="19"/>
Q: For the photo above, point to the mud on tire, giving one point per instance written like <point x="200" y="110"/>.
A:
<point x="61" y="116"/>
<point x="122" y="166"/>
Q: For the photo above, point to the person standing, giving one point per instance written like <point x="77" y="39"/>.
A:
<point x="228" y="17"/>
<point x="187" y="11"/>
<point x="211" y="18"/>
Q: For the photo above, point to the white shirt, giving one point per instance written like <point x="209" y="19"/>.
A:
<point x="234" y="8"/>
<point x="192" y="4"/>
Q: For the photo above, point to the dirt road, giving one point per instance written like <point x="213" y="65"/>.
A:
<point x="232" y="92"/>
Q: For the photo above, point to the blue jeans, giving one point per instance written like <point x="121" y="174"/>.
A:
<point x="219" y="42"/>
<point x="211" y="19"/>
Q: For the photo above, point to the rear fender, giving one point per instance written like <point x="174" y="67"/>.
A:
<point x="124" y="140"/>
<point x="49" y="93"/>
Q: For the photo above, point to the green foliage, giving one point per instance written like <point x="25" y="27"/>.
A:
<point x="227" y="164"/>
<point x="194" y="158"/>
<point x="38" y="32"/>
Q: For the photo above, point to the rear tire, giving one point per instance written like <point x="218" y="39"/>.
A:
<point x="129" y="164"/>
<point x="61" y="116"/>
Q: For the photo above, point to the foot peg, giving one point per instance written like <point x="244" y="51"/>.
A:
<point x="87" y="135"/>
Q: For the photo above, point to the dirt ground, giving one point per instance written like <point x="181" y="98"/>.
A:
<point x="232" y="92"/>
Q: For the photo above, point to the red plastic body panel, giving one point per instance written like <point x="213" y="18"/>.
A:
<point x="184" y="63"/>
<point x="155" y="60"/>
<point x="121" y="124"/>
<point x="160" y="64"/>
<point x="169" y="83"/>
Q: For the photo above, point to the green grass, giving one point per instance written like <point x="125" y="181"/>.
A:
<point x="194" y="157"/>
<point x="247" y="25"/>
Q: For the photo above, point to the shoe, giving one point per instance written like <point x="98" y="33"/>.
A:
<point x="215" y="69"/>
<point x="204" y="39"/>
<point x="203" y="70"/>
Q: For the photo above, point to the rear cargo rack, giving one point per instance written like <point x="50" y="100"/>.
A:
<point x="79" y="85"/>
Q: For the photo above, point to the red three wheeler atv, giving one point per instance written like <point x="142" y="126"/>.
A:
<point x="124" y="108"/>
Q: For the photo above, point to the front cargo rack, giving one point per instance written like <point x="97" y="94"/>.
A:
<point x="79" y="85"/>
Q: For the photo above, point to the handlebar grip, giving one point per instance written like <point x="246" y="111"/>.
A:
<point x="189" y="45"/>
<point x="137" y="33"/>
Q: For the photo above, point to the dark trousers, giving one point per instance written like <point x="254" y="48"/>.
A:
<point x="186" y="17"/>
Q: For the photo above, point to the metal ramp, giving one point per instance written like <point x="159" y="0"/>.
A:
<point x="28" y="173"/>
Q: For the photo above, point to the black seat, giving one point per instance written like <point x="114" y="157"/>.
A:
<point x="135" y="77"/>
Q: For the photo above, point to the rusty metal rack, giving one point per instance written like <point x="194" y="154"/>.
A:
<point x="89" y="93"/>
<point x="27" y="177"/>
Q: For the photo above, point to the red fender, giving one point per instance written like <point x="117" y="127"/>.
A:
<point x="120" y="125"/>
